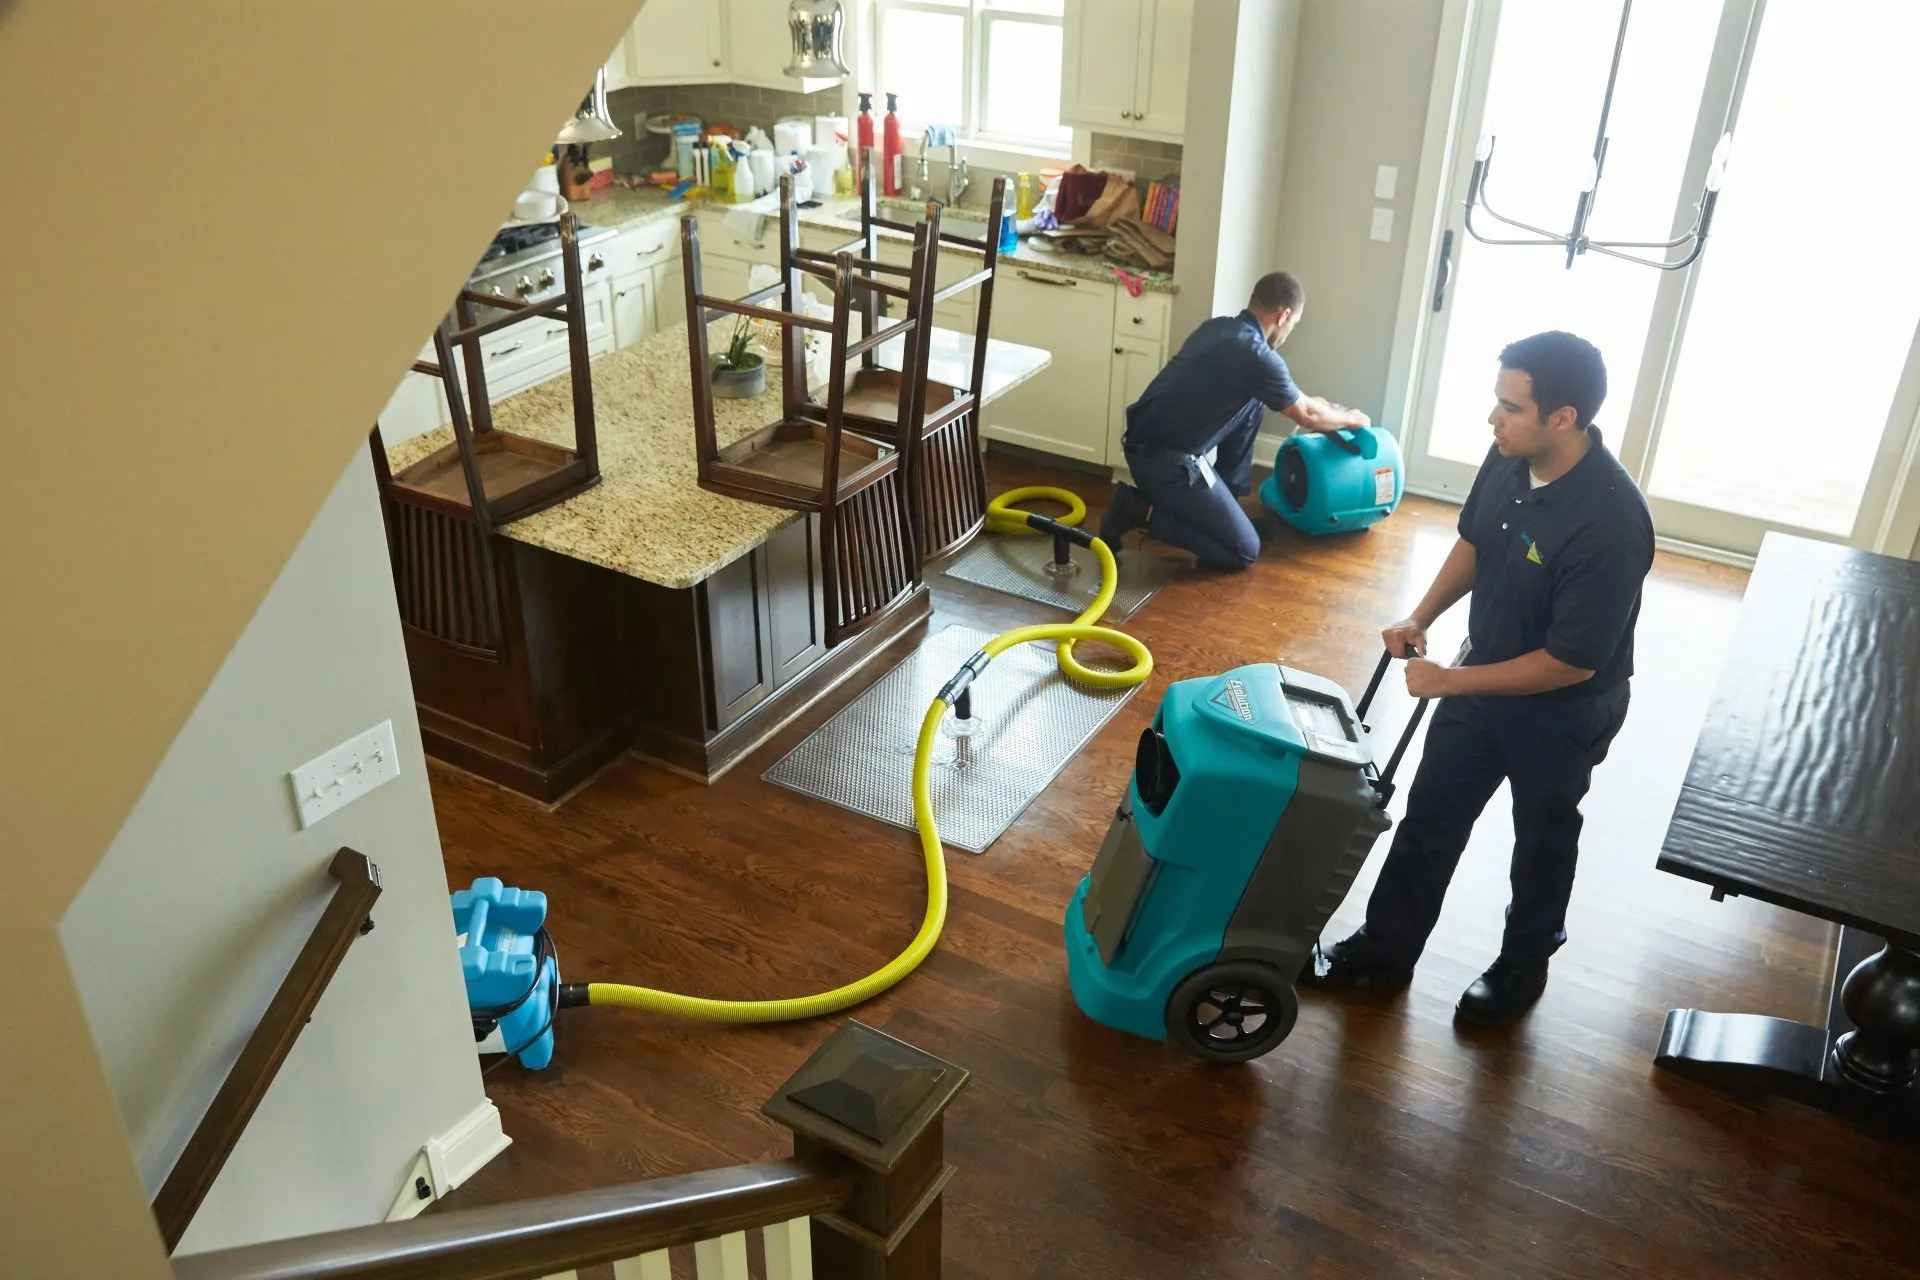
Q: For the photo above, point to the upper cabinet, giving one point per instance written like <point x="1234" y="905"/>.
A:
<point x="705" y="41"/>
<point x="1124" y="66"/>
<point x="671" y="42"/>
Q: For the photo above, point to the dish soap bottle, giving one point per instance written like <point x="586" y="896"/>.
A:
<point x="892" y="173"/>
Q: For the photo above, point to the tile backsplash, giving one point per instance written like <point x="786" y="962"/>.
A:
<point x="1148" y="160"/>
<point x="736" y="103"/>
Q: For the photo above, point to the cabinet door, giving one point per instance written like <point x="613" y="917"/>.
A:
<point x="795" y="623"/>
<point x="1100" y="56"/>
<point x="1161" y="103"/>
<point x="1063" y="408"/>
<point x="739" y="667"/>
<point x="674" y="42"/>
<point x="669" y="294"/>
<point x="1135" y="361"/>
<point x="633" y="308"/>
<point x="760" y="45"/>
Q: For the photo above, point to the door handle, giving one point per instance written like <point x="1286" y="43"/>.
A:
<point x="1050" y="283"/>
<point x="1445" y="271"/>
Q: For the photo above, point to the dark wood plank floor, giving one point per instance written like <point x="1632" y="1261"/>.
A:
<point x="1378" y="1140"/>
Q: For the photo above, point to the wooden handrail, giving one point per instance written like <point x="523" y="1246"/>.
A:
<point x="344" y="919"/>
<point x="534" y="1238"/>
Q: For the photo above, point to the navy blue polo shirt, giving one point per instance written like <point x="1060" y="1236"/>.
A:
<point x="1215" y="383"/>
<point x="1558" y="567"/>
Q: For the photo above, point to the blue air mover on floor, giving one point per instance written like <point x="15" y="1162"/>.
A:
<point x="1254" y="801"/>
<point x="512" y="974"/>
<point x="1335" y="483"/>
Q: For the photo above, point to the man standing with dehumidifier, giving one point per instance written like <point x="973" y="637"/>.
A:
<point x="1554" y="542"/>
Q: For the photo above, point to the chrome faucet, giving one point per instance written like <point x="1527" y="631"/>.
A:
<point x="957" y="179"/>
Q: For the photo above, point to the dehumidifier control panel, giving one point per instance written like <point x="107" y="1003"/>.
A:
<point x="1325" y="718"/>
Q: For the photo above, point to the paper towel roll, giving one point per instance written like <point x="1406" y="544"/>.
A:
<point x="826" y="127"/>
<point x="792" y="134"/>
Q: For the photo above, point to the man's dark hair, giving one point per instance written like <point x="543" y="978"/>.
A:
<point x="1566" y="371"/>
<point x="1277" y="291"/>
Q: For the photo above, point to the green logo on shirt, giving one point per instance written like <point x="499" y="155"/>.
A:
<point x="1533" y="549"/>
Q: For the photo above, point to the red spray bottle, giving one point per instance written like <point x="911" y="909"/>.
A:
<point x="890" y="163"/>
<point x="863" y="138"/>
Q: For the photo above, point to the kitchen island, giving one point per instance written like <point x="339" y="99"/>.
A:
<point x="646" y="612"/>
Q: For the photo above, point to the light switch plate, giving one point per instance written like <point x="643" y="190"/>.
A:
<point x="1382" y="228"/>
<point x="336" y="778"/>
<point x="1385" y="179"/>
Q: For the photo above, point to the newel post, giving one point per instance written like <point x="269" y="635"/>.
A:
<point x="870" y="1105"/>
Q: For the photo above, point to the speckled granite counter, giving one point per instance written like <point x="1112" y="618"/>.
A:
<point x="648" y="517"/>
<point x="622" y="209"/>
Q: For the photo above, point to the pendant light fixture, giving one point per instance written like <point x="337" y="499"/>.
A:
<point x="815" y="26"/>
<point x="1576" y="240"/>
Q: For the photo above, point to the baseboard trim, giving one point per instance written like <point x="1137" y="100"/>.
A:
<point x="450" y="1158"/>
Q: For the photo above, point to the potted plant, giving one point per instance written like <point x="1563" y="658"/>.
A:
<point x="739" y="373"/>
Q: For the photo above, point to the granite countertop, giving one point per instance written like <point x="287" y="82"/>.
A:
<point x="621" y="209"/>
<point x="648" y="517"/>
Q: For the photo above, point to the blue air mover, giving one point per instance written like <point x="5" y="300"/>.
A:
<point x="511" y="970"/>
<point x="1253" y="803"/>
<point x="1335" y="483"/>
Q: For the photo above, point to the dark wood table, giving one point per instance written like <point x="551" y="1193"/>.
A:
<point x="1804" y="791"/>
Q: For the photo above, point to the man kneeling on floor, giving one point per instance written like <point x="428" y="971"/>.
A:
<point x="1189" y="437"/>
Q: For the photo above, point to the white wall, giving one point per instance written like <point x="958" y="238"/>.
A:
<point x="187" y="925"/>
<point x="1361" y="81"/>
<point x="1239" y="94"/>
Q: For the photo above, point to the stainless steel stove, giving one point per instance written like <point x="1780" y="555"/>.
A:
<point x="523" y="261"/>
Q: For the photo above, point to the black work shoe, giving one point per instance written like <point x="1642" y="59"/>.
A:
<point x="1505" y="991"/>
<point x="1354" y="964"/>
<point x="1128" y="511"/>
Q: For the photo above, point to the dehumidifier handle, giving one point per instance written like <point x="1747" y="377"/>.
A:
<point x="1385" y="781"/>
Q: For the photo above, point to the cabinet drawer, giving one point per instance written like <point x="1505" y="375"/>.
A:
<point x="752" y="237"/>
<point x="1144" y="317"/>
<point x="638" y="248"/>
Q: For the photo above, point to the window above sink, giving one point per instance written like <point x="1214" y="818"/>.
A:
<point x="990" y="69"/>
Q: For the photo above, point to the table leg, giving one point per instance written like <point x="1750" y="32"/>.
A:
<point x="1882" y="997"/>
<point x="1862" y="1063"/>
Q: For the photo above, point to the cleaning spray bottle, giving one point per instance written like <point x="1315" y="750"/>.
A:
<point x="891" y="170"/>
<point x="863" y="137"/>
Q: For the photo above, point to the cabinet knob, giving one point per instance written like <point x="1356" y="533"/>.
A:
<point x="1117" y="351"/>
<point x="1136" y="319"/>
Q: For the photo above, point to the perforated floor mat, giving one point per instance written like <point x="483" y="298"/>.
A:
<point x="1019" y="567"/>
<point x="1030" y="720"/>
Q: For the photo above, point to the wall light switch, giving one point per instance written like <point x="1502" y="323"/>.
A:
<point x="1385" y="179"/>
<point x="1382" y="228"/>
<point x="336" y="778"/>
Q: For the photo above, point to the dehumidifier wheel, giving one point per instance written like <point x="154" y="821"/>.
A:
<point x="1232" y="1011"/>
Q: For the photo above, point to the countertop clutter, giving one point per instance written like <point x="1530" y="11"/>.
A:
<point x="621" y="209"/>
<point x="648" y="518"/>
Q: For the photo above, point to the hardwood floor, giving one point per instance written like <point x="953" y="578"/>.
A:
<point x="1378" y="1140"/>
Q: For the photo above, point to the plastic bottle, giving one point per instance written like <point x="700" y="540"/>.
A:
<point x="1025" y="205"/>
<point x="891" y="171"/>
<point x="1009" y="232"/>
<point x="863" y="134"/>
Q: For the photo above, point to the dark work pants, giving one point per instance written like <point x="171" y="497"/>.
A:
<point x="1546" y="750"/>
<point x="1205" y="519"/>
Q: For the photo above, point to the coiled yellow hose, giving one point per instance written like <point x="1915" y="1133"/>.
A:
<point x="1001" y="518"/>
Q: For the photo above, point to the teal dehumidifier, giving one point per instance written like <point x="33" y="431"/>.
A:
<point x="1335" y="483"/>
<point x="1253" y="803"/>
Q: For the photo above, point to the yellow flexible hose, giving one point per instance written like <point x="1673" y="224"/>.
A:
<point x="1001" y="518"/>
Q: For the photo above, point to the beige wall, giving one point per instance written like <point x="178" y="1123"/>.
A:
<point x="179" y="938"/>
<point x="1361" y="82"/>
<point x="236" y="222"/>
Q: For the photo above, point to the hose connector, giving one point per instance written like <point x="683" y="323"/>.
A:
<point x="953" y="688"/>
<point x="1047" y="524"/>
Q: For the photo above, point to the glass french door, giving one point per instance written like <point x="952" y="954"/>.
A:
<point x="1772" y="385"/>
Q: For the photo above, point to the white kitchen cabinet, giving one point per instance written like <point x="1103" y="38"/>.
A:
<point x="1063" y="408"/>
<point x="1135" y="361"/>
<point x="634" y="315"/>
<point x="670" y="292"/>
<point x="1124" y="66"/>
<point x="672" y="42"/>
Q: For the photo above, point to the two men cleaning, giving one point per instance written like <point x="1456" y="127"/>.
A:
<point x="1553" y="545"/>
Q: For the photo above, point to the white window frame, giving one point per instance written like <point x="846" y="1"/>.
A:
<point x="981" y="17"/>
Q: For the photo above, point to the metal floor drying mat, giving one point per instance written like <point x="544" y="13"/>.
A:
<point x="1030" y="721"/>
<point x="1019" y="567"/>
